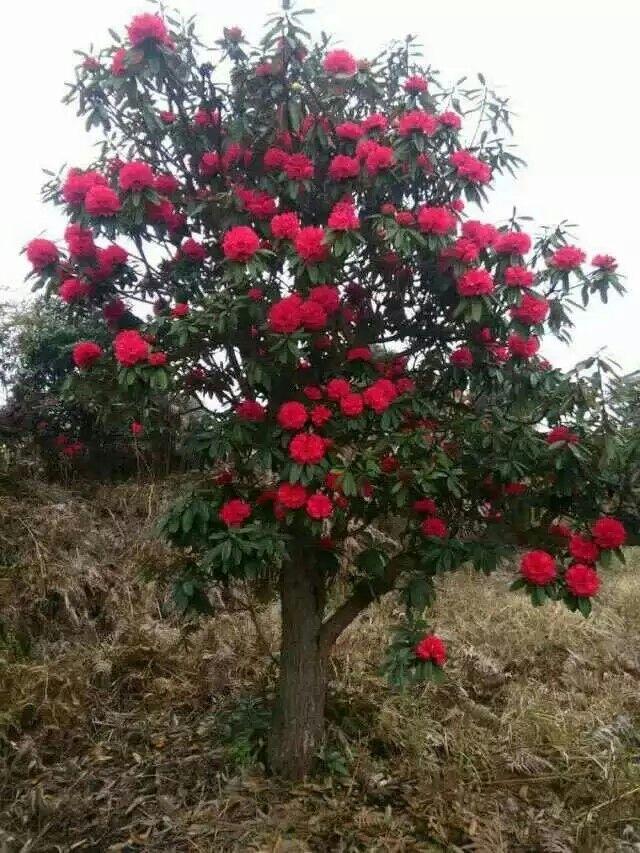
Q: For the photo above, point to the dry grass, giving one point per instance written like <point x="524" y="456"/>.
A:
<point x="115" y="716"/>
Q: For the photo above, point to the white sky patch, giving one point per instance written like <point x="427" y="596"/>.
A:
<point x="570" y="69"/>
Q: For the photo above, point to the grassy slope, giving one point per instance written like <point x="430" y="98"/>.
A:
<point x="122" y="730"/>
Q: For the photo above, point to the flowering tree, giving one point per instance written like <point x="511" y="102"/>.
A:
<point x="362" y="350"/>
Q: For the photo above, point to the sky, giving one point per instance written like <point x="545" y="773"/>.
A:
<point x="569" y="68"/>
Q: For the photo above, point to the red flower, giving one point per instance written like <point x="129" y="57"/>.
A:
<point x="515" y="489"/>
<point x="285" y="226"/>
<point x="166" y="184"/>
<point x="298" y="167"/>
<point x="292" y="415"/>
<point x="135" y="176"/>
<point x="538" y="568"/>
<point x="251" y="410"/>
<point x="415" y="84"/>
<point x="417" y="121"/>
<point x="425" y="505"/>
<point x="379" y="158"/>
<point x="512" y="243"/>
<point x="338" y="388"/>
<point x="436" y="220"/>
<point x="320" y="415"/>
<point x="292" y="495"/>
<point x="313" y="316"/>
<point x="343" y="217"/>
<point x="351" y="405"/>
<point x="209" y="164"/>
<point x="101" y="201"/>
<point x="464" y="250"/>
<point x="567" y="258"/>
<point x="532" y="310"/>
<point x="389" y="464"/>
<point x="380" y="395"/>
<point x="482" y="235"/>
<point x="42" y="253"/>
<point x="583" y="549"/>
<point x="609" y="533"/>
<point x="404" y="385"/>
<point x="309" y="244"/>
<point x="157" y="359"/>
<point x="359" y="354"/>
<point x="523" y="347"/>
<point x="72" y="290"/>
<point x="435" y="527"/>
<point x="475" y="282"/>
<point x="274" y="159"/>
<point x="518" y="277"/>
<point x="180" y="309"/>
<point x="405" y="218"/>
<point x="85" y="353"/>
<point x="306" y="448"/>
<point x="340" y="62"/>
<point x="562" y="433"/>
<point x="234" y="513"/>
<point x="285" y="316"/>
<point x="118" y="68"/>
<point x="431" y="648"/>
<point x="136" y="428"/>
<point x="469" y="167"/>
<point x="582" y="581"/>
<point x="193" y="250"/>
<point x="604" y="262"/>
<point x="450" y="119"/>
<point x="79" y="241"/>
<point x="561" y="530"/>
<point x="342" y="167"/>
<point x="375" y="121"/>
<point x="326" y="295"/>
<point x="240" y="243"/>
<point x="258" y="203"/>
<point x="147" y="28"/>
<point x="130" y="347"/>
<point x="349" y="130"/>
<point x="167" y="117"/>
<point x="462" y="357"/>
<point x="319" y="506"/>
<point x="113" y="310"/>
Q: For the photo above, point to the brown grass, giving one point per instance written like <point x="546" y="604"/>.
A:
<point x="117" y="727"/>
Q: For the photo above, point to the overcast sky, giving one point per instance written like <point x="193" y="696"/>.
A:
<point x="569" y="66"/>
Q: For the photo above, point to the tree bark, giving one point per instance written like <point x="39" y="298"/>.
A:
<point x="298" y="718"/>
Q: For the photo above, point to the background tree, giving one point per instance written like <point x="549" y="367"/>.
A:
<point x="363" y="354"/>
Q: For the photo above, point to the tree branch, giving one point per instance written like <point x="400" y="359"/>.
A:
<point x="363" y="595"/>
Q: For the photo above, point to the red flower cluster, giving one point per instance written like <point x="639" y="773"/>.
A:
<point x="538" y="568"/>
<point x="582" y="581"/>
<point x="415" y="84"/>
<point x="42" y="253"/>
<point x="523" y="347"/>
<point x="475" y="282"/>
<point x="343" y="217"/>
<point x="234" y="513"/>
<point x="251" y="410"/>
<point x="583" y="549"/>
<point x="462" y="357"/>
<point x="343" y="167"/>
<point x="285" y="226"/>
<point x="340" y="62"/>
<point x="130" y="348"/>
<point x="240" y="243"/>
<point x="309" y="244"/>
<point x="380" y="395"/>
<point x="147" y="28"/>
<point x="431" y="648"/>
<point x="101" y="200"/>
<point x="86" y="353"/>
<point x="512" y="243"/>
<point x="434" y="527"/>
<point x="518" y="277"/>
<point x="567" y="258"/>
<point x="469" y="167"/>
<point x="609" y="533"/>
<point x="319" y="506"/>
<point x="306" y="448"/>
<point x="136" y="176"/>
<point x="436" y="220"/>
<point x="292" y="415"/>
<point x="73" y="290"/>
<point x="291" y="495"/>
<point x="562" y="433"/>
<point x="417" y="121"/>
<point x="532" y="310"/>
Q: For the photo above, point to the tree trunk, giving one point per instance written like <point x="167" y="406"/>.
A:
<point x="298" y="718"/>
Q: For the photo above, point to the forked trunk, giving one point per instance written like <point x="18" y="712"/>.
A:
<point x="298" y="717"/>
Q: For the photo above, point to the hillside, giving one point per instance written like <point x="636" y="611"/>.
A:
<point x="124" y="728"/>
